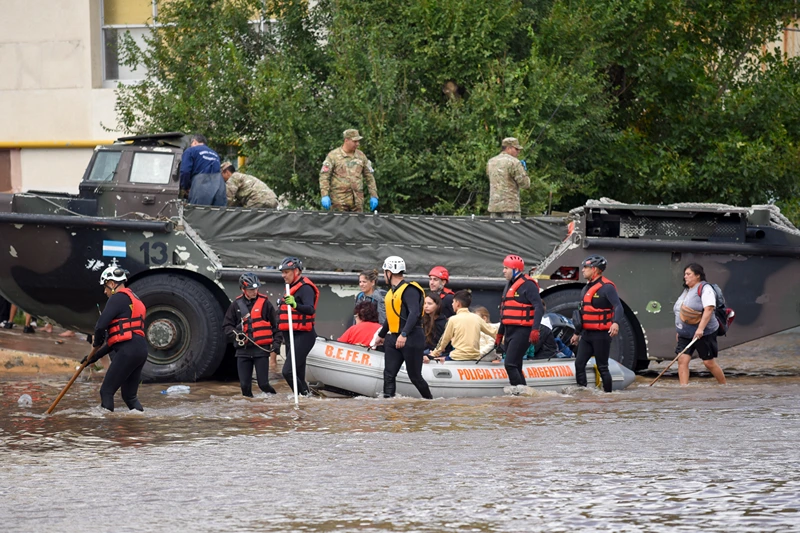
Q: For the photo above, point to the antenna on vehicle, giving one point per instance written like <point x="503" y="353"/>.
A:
<point x="554" y="114"/>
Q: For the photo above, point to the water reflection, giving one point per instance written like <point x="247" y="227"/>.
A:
<point x="646" y="459"/>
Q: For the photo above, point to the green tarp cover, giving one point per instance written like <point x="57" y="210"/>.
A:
<point x="349" y="242"/>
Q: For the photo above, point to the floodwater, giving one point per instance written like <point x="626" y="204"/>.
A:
<point x="661" y="458"/>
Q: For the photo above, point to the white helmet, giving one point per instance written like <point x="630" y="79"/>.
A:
<point x="394" y="264"/>
<point x="113" y="273"/>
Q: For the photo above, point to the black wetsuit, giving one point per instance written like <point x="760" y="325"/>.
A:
<point x="447" y="304"/>
<point x="546" y="347"/>
<point x="411" y="353"/>
<point x="597" y="343"/>
<point x="127" y="357"/>
<point x="303" y="340"/>
<point x="251" y="355"/>
<point x="517" y="338"/>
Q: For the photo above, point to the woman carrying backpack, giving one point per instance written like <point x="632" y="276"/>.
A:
<point x="695" y="319"/>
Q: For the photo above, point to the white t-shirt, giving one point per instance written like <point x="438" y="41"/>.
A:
<point x="708" y="297"/>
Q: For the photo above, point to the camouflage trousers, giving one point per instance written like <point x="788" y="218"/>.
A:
<point x="348" y="201"/>
<point x="506" y="214"/>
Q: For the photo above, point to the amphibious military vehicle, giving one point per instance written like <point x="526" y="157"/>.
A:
<point x="185" y="260"/>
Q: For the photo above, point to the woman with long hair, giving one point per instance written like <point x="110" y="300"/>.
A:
<point x="433" y="321"/>
<point x="694" y="319"/>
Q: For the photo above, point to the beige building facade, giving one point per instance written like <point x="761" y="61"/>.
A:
<point x="57" y="86"/>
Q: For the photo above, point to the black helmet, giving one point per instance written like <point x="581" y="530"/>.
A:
<point x="289" y="263"/>
<point x="248" y="280"/>
<point x="595" y="261"/>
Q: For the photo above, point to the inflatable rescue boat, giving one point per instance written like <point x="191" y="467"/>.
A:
<point x="347" y="368"/>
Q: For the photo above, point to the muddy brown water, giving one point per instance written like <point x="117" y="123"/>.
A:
<point x="662" y="458"/>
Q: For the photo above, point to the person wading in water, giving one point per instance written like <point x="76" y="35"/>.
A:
<point x="404" y="339"/>
<point x="121" y="327"/>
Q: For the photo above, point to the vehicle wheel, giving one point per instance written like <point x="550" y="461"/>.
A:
<point x="183" y="328"/>
<point x="623" y="346"/>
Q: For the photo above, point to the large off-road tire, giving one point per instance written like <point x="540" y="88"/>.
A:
<point x="183" y="328"/>
<point x="623" y="346"/>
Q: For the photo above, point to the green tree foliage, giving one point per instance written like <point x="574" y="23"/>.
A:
<point x="639" y="100"/>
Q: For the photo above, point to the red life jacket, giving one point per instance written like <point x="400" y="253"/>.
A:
<point x="254" y="325"/>
<point x="123" y="329"/>
<point x="596" y="318"/>
<point x="299" y="322"/>
<point x="513" y="310"/>
<point x="445" y="290"/>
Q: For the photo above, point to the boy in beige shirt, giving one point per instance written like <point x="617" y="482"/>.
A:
<point x="463" y="331"/>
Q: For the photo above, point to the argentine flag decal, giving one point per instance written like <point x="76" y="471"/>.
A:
<point x="114" y="249"/>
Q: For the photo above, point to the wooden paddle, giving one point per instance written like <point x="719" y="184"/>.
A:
<point x="71" y="381"/>
<point x="673" y="361"/>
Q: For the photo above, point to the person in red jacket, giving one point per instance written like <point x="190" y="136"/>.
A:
<point x="600" y="313"/>
<point x="366" y="325"/>
<point x="251" y="324"/>
<point x="521" y="313"/>
<point x="302" y="302"/>
<point x="120" y="329"/>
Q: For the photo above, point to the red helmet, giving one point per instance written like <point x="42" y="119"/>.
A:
<point x="440" y="272"/>
<point x="514" y="261"/>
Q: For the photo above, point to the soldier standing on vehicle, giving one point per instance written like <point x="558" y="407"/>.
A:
<point x="507" y="175"/>
<point x="200" y="176"/>
<point x="521" y="313"/>
<point x="341" y="180"/>
<point x="244" y="190"/>
<point x="437" y="281"/>
<point x="600" y="313"/>
<point x="302" y="301"/>
<point x="121" y="327"/>
<point x="251" y="324"/>
<point x="402" y="331"/>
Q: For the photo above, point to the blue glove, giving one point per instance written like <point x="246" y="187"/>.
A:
<point x="524" y="164"/>
<point x="326" y="202"/>
<point x="373" y="203"/>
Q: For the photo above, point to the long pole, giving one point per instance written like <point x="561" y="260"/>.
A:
<point x="291" y="348"/>
<point x="673" y="361"/>
<point x="71" y="381"/>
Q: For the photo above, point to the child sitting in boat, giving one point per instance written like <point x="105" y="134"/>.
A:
<point x="487" y="341"/>
<point x="362" y="332"/>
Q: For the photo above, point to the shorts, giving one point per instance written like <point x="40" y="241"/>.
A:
<point x="706" y="346"/>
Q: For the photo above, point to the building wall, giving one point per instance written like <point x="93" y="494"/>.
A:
<point x="51" y="88"/>
<point x="56" y="170"/>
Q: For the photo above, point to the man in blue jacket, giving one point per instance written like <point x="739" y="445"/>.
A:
<point x="200" y="175"/>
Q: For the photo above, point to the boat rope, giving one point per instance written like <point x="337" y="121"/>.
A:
<point x="136" y="214"/>
<point x="242" y="337"/>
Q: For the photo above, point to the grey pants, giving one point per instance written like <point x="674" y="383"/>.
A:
<point x="208" y="189"/>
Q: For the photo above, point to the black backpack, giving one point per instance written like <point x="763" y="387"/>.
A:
<point x="724" y="314"/>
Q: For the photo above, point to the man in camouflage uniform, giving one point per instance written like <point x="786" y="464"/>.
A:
<point x="244" y="190"/>
<point x="341" y="180"/>
<point x="507" y="175"/>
